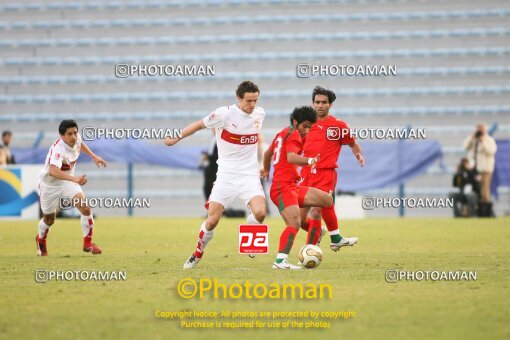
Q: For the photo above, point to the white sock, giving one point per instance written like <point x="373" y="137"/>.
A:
<point x="282" y="256"/>
<point x="43" y="229"/>
<point x="334" y="232"/>
<point x="204" y="237"/>
<point x="252" y="220"/>
<point x="87" y="225"/>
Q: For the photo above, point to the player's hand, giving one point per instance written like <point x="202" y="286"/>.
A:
<point x="315" y="160"/>
<point x="360" y="159"/>
<point x="264" y="174"/>
<point x="101" y="163"/>
<point x="171" y="141"/>
<point x="81" y="180"/>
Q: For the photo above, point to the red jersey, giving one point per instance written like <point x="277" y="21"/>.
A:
<point x="286" y="141"/>
<point x="326" y="138"/>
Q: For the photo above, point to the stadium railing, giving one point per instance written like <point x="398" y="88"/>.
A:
<point x="178" y="95"/>
<point x="160" y="4"/>
<point x="250" y="38"/>
<point x="263" y="56"/>
<point x="257" y="19"/>
<point x="103" y="79"/>
<point x="178" y="114"/>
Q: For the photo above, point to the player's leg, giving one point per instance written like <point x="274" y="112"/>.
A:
<point x="313" y="219"/>
<point x="222" y="195"/>
<point x="305" y="220"/>
<point x="292" y="220"/>
<point x="252" y="194"/>
<point x="87" y="224"/>
<point x="49" y="198"/>
<point x="329" y="215"/>
<point x="205" y="233"/>
<point x="287" y="202"/>
<point x="43" y="228"/>
<point x="315" y="199"/>
<point x="307" y="223"/>
<point x="258" y="210"/>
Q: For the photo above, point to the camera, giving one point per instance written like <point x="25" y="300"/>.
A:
<point x="478" y="134"/>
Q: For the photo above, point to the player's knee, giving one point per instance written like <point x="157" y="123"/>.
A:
<point x="85" y="211"/>
<point x="211" y="222"/>
<point x="315" y="213"/>
<point x="259" y="215"/>
<point x="295" y="222"/>
<point x="303" y="224"/>
<point x="328" y="201"/>
<point x="49" y="220"/>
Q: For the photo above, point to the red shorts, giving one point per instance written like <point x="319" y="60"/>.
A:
<point x="285" y="194"/>
<point x="322" y="179"/>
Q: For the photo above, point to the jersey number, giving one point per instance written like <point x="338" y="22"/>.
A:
<point x="277" y="150"/>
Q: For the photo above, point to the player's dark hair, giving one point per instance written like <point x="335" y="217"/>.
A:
<point x="6" y="133"/>
<point x="325" y="92"/>
<point x="246" y="86"/>
<point x="66" y="124"/>
<point x="303" y="114"/>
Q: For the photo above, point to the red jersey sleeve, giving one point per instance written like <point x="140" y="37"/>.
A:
<point x="346" y="134"/>
<point x="294" y="143"/>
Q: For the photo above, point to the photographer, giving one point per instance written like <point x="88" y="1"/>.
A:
<point x="481" y="149"/>
<point x="468" y="181"/>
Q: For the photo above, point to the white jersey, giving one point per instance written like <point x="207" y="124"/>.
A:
<point x="237" y="138"/>
<point x="63" y="157"/>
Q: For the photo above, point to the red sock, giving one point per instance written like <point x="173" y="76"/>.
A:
<point x="88" y="239"/>
<point x="329" y="216"/>
<point x="287" y="239"/>
<point x="307" y="224"/>
<point x="315" y="225"/>
<point x="314" y="232"/>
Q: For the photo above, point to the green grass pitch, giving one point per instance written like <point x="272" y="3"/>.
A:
<point x="152" y="252"/>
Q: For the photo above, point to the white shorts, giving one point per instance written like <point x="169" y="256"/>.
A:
<point x="50" y="195"/>
<point x="228" y="187"/>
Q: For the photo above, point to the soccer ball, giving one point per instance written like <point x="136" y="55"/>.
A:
<point x="310" y="256"/>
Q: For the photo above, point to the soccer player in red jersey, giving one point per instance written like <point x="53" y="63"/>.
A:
<point x="285" y="193"/>
<point x="326" y="138"/>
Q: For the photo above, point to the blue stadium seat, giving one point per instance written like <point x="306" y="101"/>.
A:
<point x="254" y="37"/>
<point x="275" y="19"/>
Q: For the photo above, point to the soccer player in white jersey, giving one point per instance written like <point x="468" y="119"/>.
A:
<point x="237" y="129"/>
<point x="57" y="181"/>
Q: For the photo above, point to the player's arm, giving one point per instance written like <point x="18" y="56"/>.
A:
<point x="59" y="174"/>
<point x="260" y="145"/>
<point x="356" y="150"/>
<point x="268" y="155"/>
<point x="294" y="158"/>
<point x="293" y="148"/>
<point x="97" y="160"/>
<point x="186" y="132"/>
